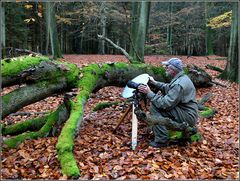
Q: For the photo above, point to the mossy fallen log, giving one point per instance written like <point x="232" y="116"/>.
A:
<point x="86" y="80"/>
<point x="199" y="77"/>
<point x="214" y="68"/>
<point x="205" y="111"/>
<point x="35" y="69"/>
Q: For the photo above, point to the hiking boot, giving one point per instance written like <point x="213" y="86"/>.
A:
<point x="157" y="144"/>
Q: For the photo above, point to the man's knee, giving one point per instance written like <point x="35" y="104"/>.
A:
<point x="160" y="133"/>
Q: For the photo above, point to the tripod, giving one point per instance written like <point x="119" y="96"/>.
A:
<point x="135" y="104"/>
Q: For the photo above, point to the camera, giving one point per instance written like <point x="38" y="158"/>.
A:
<point x="133" y="85"/>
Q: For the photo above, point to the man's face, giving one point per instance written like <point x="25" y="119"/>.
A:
<point x="170" y="71"/>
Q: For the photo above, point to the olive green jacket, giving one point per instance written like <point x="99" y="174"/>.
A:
<point x="178" y="97"/>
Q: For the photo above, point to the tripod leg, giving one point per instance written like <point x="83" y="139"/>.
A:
<point x="122" y="118"/>
<point x="134" y="128"/>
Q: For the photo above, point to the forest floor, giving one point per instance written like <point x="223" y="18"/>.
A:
<point x="101" y="154"/>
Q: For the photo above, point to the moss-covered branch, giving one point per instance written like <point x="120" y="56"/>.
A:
<point x="59" y="115"/>
<point x="66" y="139"/>
<point x="28" y="125"/>
<point x="204" y="111"/>
<point x="103" y="105"/>
<point x="35" y="69"/>
<point x="12" y="68"/>
<point x="24" y="96"/>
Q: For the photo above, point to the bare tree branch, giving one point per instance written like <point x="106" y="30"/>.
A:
<point x="117" y="47"/>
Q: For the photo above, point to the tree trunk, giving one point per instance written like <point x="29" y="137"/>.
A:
<point x="208" y="31"/>
<point x="52" y="26"/>
<point x="103" y="20"/>
<point x="2" y="31"/>
<point x="47" y="19"/>
<point x="47" y="77"/>
<point x="134" y="25"/>
<point x="231" y="70"/>
<point x="140" y="30"/>
<point x="169" y="28"/>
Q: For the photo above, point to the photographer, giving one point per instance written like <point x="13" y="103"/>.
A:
<point x="175" y="101"/>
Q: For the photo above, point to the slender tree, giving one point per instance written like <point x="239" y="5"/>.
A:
<point x="231" y="70"/>
<point x="169" y="27"/>
<point x="139" y="29"/>
<point x="134" y="25"/>
<point x="2" y="30"/>
<point x="52" y="29"/>
<point x="103" y="20"/>
<point x="208" y="31"/>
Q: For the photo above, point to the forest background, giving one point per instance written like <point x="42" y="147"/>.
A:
<point x="182" y="28"/>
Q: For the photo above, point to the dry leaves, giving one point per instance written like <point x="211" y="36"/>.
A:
<point x="103" y="155"/>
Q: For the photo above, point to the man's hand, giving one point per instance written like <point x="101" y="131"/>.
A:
<point x="144" y="89"/>
<point x="152" y="81"/>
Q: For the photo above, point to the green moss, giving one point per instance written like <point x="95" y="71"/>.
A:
<point x="89" y="79"/>
<point x="43" y="84"/>
<point x="174" y="134"/>
<point x="121" y="65"/>
<point x="207" y="112"/>
<point x="6" y="98"/>
<point x="66" y="139"/>
<point x="16" y="65"/>
<point x="186" y="70"/>
<point x="70" y="166"/>
<point x="71" y="74"/>
<point x="28" y="125"/>
<point x="15" y="141"/>
<point x="2" y="126"/>
<point x="196" y="137"/>
<point x="103" y="105"/>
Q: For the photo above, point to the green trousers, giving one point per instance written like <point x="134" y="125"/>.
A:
<point x="178" y="117"/>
